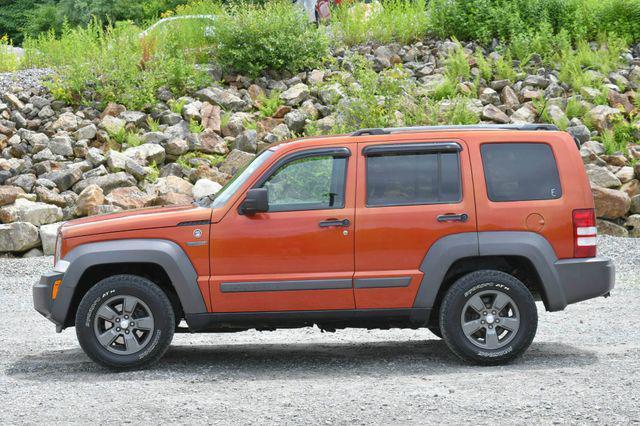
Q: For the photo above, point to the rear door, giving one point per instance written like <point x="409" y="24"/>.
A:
<point x="408" y="196"/>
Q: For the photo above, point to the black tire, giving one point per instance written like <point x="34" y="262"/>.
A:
<point x="435" y="329"/>
<point x="156" y="340"/>
<point x="484" y="284"/>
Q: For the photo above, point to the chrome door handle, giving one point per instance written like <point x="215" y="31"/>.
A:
<point x="334" y="222"/>
<point x="463" y="217"/>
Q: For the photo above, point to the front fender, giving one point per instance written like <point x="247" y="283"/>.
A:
<point x="164" y="253"/>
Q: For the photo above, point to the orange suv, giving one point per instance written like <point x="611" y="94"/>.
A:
<point x="455" y="229"/>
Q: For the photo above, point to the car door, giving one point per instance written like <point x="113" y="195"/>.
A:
<point x="299" y="254"/>
<point x="409" y="196"/>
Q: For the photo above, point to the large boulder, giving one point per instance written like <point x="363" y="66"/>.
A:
<point x="89" y="199"/>
<point x="609" y="228"/>
<point x="493" y="113"/>
<point x="610" y="203"/>
<point x="295" y="95"/>
<point x="128" y="198"/>
<point x="633" y="224"/>
<point x="235" y="161"/>
<point x="205" y="187"/>
<point x="224" y="98"/>
<point x="146" y="153"/>
<point x="48" y="234"/>
<point x="8" y="194"/>
<point x="18" y="237"/>
<point x="603" y="116"/>
<point x="601" y="176"/>
<point x="171" y="184"/>
<point x="107" y="182"/>
<point x="35" y="213"/>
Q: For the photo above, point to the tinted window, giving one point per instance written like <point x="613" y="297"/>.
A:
<point x="520" y="172"/>
<point x="402" y="179"/>
<point x="307" y="184"/>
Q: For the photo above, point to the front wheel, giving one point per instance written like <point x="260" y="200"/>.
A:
<point x="488" y="317"/>
<point x="125" y="322"/>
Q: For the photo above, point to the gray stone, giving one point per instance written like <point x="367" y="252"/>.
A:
<point x="536" y="81"/>
<point x="489" y="96"/>
<point x="247" y="141"/>
<point x="191" y="111"/>
<point x="610" y="203"/>
<point x="235" y="161"/>
<point x="146" y="153"/>
<point x="524" y="114"/>
<point x="295" y="95"/>
<point x="95" y="156"/>
<point x="177" y="146"/>
<point x="136" y="118"/>
<point x="154" y="137"/>
<point x="106" y="182"/>
<point x="25" y="181"/>
<point x="48" y="235"/>
<point x="170" y="118"/>
<point x="493" y="113"/>
<point x="112" y="124"/>
<point x="205" y="187"/>
<point x="295" y="121"/>
<point x="603" y="116"/>
<point x="35" y="213"/>
<point x="34" y="252"/>
<point x="18" y="237"/>
<point x="224" y="98"/>
<point x="601" y="176"/>
<point x="61" y="145"/>
<point x="87" y="132"/>
<point x="67" y="121"/>
<point x="609" y="228"/>
<point x="65" y="178"/>
<point x="509" y="98"/>
<point x="580" y="132"/>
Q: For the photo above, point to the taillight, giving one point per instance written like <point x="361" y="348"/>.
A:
<point x="584" y="233"/>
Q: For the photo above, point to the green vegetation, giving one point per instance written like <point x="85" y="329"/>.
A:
<point x="506" y="20"/>
<point x="195" y="126"/>
<point x="154" y="172"/>
<point x="8" y="61"/>
<point x="268" y="105"/>
<point x="619" y="137"/>
<point x="185" y="159"/>
<point x="176" y="105"/>
<point x="390" y="21"/>
<point x="154" y="125"/>
<point x="122" y="137"/>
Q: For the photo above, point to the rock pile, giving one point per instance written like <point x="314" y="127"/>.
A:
<point x="58" y="162"/>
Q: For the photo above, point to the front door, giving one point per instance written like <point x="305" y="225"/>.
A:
<point x="409" y="196"/>
<point x="299" y="254"/>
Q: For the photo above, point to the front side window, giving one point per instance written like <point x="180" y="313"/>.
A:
<point x="309" y="183"/>
<point x="397" y="179"/>
<point x="520" y="172"/>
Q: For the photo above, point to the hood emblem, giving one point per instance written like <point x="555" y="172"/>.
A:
<point x="197" y="233"/>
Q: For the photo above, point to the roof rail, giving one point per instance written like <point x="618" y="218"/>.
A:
<point x="522" y="127"/>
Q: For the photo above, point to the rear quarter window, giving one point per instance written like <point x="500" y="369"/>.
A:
<point x="520" y="172"/>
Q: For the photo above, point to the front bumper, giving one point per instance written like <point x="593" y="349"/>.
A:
<point x="43" y="301"/>
<point x="587" y="278"/>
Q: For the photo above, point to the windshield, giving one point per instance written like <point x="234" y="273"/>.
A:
<point x="239" y="179"/>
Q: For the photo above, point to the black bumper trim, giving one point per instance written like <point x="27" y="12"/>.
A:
<point x="586" y="278"/>
<point x="42" y="301"/>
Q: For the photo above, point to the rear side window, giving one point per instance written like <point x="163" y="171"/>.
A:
<point x="520" y="172"/>
<point x="397" y="179"/>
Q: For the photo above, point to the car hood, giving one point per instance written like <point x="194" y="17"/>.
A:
<point x="149" y="218"/>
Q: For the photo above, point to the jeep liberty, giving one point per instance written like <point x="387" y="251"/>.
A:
<point x="457" y="229"/>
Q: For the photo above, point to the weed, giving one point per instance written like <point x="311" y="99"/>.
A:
<point x="268" y="105"/>
<point x="184" y="160"/>
<point x="8" y="61"/>
<point x="195" y="126"/>
<point x="154" y="172"/>
<point x="176" y="105"/>
<point x="154" y="125"/>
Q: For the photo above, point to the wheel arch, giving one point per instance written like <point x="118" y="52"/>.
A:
<point x="526" y="255"/>
<point x="162" y="261"/>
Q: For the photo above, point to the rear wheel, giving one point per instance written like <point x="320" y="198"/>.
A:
<point x="125" y="322"/>
<point x="488" y="317"/>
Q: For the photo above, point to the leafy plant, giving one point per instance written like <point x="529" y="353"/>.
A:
<point x="154" y="125"/>
<point x="8" y="60"/>
<point x="185" y="159"/>
<point x="251" y="39"/>
<point x="195" y="126"/>
<point x="154" y="172"/>
<point x="268" y="105"/>
<point x="176" y="105"/>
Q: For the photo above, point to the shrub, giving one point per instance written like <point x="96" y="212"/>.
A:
<point x="252" y="39"/>
<point x="400" y="21"/>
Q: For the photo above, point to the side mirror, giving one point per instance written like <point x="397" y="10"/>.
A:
<point x="256" y="201"/>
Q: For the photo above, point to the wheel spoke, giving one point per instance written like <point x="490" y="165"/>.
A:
<point x="129" y="304"/>
<point x="145" y="323"/>
<point x="107" y="338"/>
<point x="491" y="339"/>
<point x="107" y="313"/>
<point x="500" y="301"/>
<point x="509" y="323"/>
<point x="131" y="343"/>
<point x="477" y="304"/>
<point x="471" y="327"/>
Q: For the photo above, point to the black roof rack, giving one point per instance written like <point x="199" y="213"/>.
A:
<point x="389" y="130"/>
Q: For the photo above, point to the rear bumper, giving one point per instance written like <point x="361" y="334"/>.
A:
<point x="583" y="279"/>
<point x="42" y="296"/>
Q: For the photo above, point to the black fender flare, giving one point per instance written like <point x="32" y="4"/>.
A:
<point x="166" y="254"/>
<point x="447" y="250"/>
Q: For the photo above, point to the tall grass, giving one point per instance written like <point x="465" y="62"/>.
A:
<point x="8" y="61"/>
<point x="389" y="21"/>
